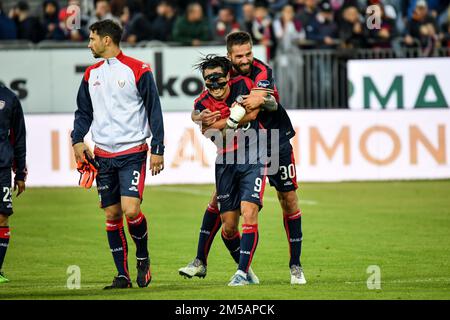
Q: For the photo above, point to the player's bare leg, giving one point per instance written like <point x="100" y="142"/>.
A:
<point x="230" y="234"/>
<point x="4" y="242"/>
<point x="249" y="242"/>
<point x="292" y="218"/>
<point x="137" y="226"/>
<point x="118" y="245"/>
<point x="210" y="225"/>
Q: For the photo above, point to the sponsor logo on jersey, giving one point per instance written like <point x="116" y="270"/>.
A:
<point x="133" y="188"/>
<point x="2" y="104"/>
<point x="96" y="83"/>
<point x="121" y="83"/>
<point x="263" y="84"/>
<point x="288" y="183"/>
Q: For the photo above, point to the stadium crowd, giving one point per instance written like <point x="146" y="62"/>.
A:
<point x="310" y="24"/>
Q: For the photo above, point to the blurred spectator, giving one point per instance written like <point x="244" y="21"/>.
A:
<point x="224" y="24"/>
<point x="236" y="7"/>
<point x="323" y="29"/>
<point x="435" y="7"/>
<point x="163" y="24"/>
<point x="288" y="29"/>
<point x="422" y="30"/>
<point x="277" y="5"/>
<point x="351" y="29"/>
<point x="118" y="6"/>
<point x="446" y="35"/>
<point x="308" y="12"/>
<point x="50" y="21"/>
<point x="102" y="12"/>
<point x="192" y="28"/>
<point x="7" y="26"/>
<point x="28" y="27"/>
<point x="136" y="26"/>
<point x="262" y="29"/>
<point x="150" y="9"/>
<point x="248" y="14"/>
<point x="382" y="37"/>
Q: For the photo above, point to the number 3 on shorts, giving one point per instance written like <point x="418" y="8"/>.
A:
<point x="136" y="175"/>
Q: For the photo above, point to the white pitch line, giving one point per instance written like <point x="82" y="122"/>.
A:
<point x="197" y="192"/>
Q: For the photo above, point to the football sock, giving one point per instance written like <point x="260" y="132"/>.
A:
<point x="233" y="244"/>
<point x="139" y="233"/>
<point x="293" y="227"/>
<point x="249" y="241"/>
<point x="4" y="242"/>
<point x="210" y="225"/>
<point x="118" y="245"/>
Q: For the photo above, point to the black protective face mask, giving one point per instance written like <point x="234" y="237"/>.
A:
<point x="214" y="78"/>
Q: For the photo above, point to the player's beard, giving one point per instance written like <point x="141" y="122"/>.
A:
<point x="95" y="54"/>
<point x="240" y="70"/>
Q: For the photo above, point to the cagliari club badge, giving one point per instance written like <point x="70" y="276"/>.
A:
<point x="121" y="83"/>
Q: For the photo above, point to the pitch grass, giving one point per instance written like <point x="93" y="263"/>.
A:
<point x="402" y="227"/>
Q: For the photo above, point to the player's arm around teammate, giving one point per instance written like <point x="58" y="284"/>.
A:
<point x="12" y="156"/>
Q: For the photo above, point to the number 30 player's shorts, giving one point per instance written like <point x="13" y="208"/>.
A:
<point x="6" y="192"/>
<point x="285" y="179"/>
<point x="239" y="182"/>
<point x="121" y="175"/>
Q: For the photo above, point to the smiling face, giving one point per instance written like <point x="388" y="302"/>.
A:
<point x="216" y="82"/>
<point x="241" y="57"/>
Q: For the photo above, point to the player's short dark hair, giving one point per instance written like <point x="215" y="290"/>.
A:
<point x="107" y="28"/>
<point x="212" y="61"/>
<point x="238" y="38"/>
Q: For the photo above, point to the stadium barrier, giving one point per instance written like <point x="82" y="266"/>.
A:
<point x="317" y="79"/>
<point x="330" y="145"/>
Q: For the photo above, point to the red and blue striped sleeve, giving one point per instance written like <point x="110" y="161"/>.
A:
<point x="147" y="89"/>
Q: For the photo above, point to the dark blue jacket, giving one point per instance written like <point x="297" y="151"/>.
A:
<point x="12" y="134"/>
<point x="7" y="28"/>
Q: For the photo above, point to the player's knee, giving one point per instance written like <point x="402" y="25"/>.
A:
<point x="113" y="213"/>
<point x="250" y="213"/>
<point x="288" y="201"/>
<point x="229" y="230"/>
<point x="131" y="212"/>
<point x="3" y="220"/>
